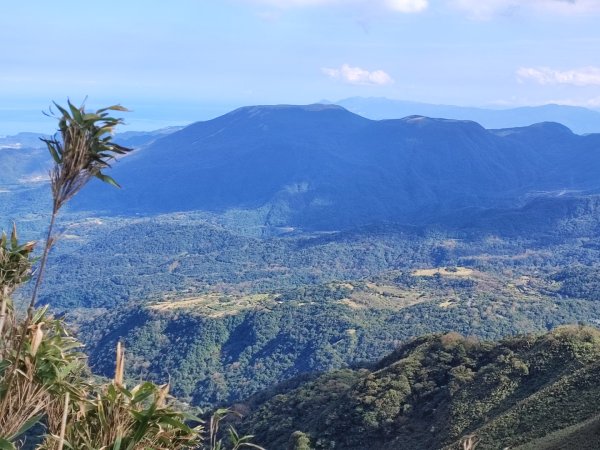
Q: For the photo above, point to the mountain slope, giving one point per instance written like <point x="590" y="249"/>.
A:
<point x="218" y="347"/>
<point x="581" y="120"/>
<point x="322" y="167"/>
<point x="435" y="390"/>
<point x="105" y="262"/>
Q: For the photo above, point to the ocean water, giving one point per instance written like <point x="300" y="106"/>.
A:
<point x="143" y="116"/>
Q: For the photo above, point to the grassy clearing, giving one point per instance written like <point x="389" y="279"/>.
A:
<point x="383" y="296"/>
<point x="447" y="304"/>
<point x="444" y="271"/>
<point x="214" y="304"/>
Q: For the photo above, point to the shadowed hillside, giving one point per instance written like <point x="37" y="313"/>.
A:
<point x="322" y="167"/>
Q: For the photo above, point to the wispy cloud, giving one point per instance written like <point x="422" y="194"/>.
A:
<point x="401" y="6"/>
<point x="407" y="6"/>
<point x="293" y="3"/>
<point x="475" y="9"/>
<point x="486" y="9"/>
<point x="358" y="75"/>
<point x="585" y="76"/>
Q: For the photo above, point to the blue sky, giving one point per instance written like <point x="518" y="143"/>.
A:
<point x="184" y="60"/>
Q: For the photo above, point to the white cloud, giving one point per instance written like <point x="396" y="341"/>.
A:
<point x="293" y="3"/>
<point x="485" y="9"/>
<point x="407" y="6"/>
<point x="475" y="9"/>
<point x="401" y="6"/>
<point x="585" y="76"/>
<point x="358" y="75"/>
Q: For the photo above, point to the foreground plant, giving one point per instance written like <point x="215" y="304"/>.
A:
<point x="81" y="150"/>
<point x="117" y="418"/>
<point x="42" y="371"/>
<point x="38" y="362"/>
<point x="215" y="442"/>
<point x="15" y="269"/>
<point x="34" y="363"/>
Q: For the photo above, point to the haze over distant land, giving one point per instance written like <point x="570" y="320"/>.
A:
<point x="580" y="120"/>
<point x="149" y="117"/>
<point x="185" y="61"/>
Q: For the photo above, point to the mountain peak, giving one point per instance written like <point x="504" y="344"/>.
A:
<point x="424" y="121"/>
<point x="547" y="129"/>
<point x="262" y="109"/>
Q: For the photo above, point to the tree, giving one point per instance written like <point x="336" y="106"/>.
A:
<point x="299" y="441"/>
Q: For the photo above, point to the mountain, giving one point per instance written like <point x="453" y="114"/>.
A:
<point x="219" y="347"/>
<point x="22" y="140"/>
<point x="25" y="160"/>
<point x="23" y="166"/>
<point x="529" y="392"/>
<point x="25" y="163"/>
<point x="321" y="167"/>
<point x="138" y="139"/>
<point x="223" y="316"/>
<point x="580" y="120"/>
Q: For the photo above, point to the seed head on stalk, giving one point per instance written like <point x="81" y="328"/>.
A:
<point x="81" y="149"/>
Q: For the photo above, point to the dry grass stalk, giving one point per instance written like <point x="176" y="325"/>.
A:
<point x="25" y="399"/>
<point x="3" y="307"/>
<point x="41" y="374"/>
<point x="37" y="337"/>
<point x="120" y="366"/>
<point x="163" y="393"/>
<point x="470" y="442"/>
<point x="63" y="424"/>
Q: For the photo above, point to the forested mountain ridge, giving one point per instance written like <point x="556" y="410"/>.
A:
<point x="320" y="167"/>
<point x="528" y="392"/>
<point x="108" y="261"/>
<point x="240" y="313"/>
<point x="220" y="348"/>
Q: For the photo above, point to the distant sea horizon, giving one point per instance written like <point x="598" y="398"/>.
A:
<point x="143" y="117"/>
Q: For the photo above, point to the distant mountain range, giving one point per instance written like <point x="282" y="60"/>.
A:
<point x="25" y="163"/>
<point x="24" y="158"/>
<point x="321" y="167"/>
<point x="580" y="120"/>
